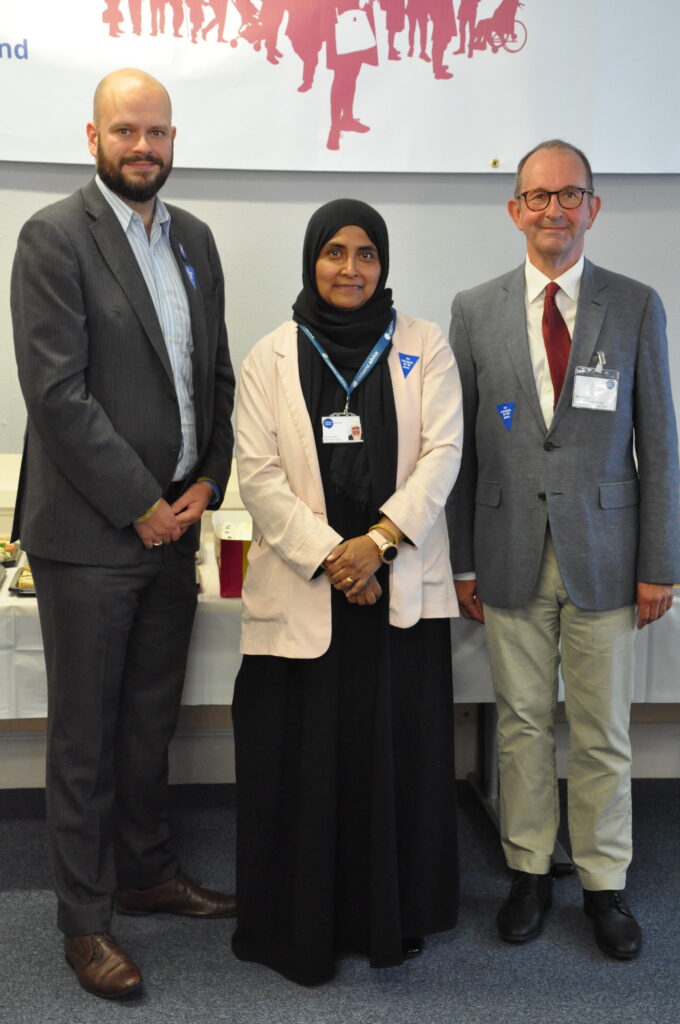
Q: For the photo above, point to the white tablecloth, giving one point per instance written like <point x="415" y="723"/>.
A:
<point x="214" y="658"/>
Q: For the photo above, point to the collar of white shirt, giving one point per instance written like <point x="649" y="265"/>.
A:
<point x="569" y="281"/>
<point x="125" y="213"/>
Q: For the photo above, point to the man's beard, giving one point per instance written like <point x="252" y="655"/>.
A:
<point x="139" y="192"/>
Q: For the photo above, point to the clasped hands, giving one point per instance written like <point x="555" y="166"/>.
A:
<point x="169" y="522"/>
<point x="351" y="567"/>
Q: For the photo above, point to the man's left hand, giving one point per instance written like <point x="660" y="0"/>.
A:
<point x="191" y="505"/>
<point x="653" y="600"/>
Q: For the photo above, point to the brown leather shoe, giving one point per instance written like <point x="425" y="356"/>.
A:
<point x="101" y="966"/>
<point x="178" y="896"/>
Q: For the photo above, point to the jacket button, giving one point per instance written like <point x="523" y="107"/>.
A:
<point x="548" y="445"/>
<point x="541" y="495"/>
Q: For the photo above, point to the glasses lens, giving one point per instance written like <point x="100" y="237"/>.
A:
<point x="538" y="199"/>
<point x="570" y="198"/>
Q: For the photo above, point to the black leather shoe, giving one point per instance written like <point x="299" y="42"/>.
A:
<point x="617" y="933"/>
<point x="412" y="947"/>
<point x="177" y="896"/>
<point x="520" y="919"/>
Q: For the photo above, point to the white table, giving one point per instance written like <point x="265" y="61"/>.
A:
<point x="214" y="656"/>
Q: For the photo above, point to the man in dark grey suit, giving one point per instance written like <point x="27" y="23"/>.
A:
<point x="118" y="313"/>
<point x="564" y="518"/>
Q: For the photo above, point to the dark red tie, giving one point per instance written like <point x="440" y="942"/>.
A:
<point x="556" y="338"/>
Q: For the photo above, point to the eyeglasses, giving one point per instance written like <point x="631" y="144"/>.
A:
<point x="569" y="198"/>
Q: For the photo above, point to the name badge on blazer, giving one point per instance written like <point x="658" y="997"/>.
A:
<point x="595" y="388"/>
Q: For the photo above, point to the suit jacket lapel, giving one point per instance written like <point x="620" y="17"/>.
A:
<point x="117" y="253"/>
<point x="590" y="314"/>
<point x="286" y="352"/>
<point x="514" y="328"/>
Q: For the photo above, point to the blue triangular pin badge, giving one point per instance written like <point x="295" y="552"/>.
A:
<point x="407" y="362"/>
<point x="506" y="412"/>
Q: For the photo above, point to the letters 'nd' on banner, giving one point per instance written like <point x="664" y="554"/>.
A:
<point x="354" y="85"/>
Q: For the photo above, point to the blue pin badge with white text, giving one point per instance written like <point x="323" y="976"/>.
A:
<point x="407" y="362"/>
<point x="506" y="412"/>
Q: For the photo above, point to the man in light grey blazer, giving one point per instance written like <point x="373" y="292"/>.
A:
<point x="118" y="313"/>
<point x="563" y="520"/>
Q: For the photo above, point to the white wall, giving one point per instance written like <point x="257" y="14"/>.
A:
<point x="447" y="232"/>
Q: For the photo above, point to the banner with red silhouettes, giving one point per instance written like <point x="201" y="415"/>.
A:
<point x="360" y="85"/>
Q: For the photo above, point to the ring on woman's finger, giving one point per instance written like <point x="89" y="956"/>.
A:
<point x="157" y="543"/>
<point x="348" y="579"/>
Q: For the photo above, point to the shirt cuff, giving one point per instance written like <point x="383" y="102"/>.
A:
<point x="217" y="500"/>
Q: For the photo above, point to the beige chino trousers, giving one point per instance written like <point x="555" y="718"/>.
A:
<point x="526" y="646"/>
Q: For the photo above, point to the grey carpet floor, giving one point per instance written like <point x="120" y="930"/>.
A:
<point x="467" y="976"/>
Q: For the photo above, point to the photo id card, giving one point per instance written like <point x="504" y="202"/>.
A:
<point x="341" y="428"/>
<point x="595" y="388"/>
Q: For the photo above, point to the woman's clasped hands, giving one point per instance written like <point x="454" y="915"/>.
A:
<point x="351" y="568"/>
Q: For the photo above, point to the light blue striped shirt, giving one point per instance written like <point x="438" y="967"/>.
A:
<point x="164" y="280"/>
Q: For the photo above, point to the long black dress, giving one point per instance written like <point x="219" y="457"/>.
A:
<point x="345" y="778"/>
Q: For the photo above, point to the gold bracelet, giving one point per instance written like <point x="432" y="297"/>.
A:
<point x="149" y="512"/>
<point x="385" y="529"/>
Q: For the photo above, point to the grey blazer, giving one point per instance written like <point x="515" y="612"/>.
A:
<point x="103" y="431"/>
<point x="606" y="482"/>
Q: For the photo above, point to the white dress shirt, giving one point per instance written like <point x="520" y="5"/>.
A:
<point x="534" y="299"/>
<point x="164" y="280"/>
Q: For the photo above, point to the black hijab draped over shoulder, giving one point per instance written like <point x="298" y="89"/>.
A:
<point x="365" y="473"/>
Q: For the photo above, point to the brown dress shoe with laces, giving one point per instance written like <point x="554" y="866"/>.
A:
<point x="177" y="896"/>
<point x="101" y="966"/>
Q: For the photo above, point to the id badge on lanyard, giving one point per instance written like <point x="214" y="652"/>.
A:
<point x="345" y="427"/>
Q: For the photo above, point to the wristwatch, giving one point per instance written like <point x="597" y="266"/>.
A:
<point x="388" y="550"/>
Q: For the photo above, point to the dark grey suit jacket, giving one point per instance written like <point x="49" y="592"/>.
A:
<point x="104" y="430"/>
<point x="606" y="482"/>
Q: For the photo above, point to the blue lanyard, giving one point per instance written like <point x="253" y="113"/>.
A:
<point x="368" y="363"/>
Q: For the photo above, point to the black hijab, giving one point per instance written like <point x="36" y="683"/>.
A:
<point x="364" y="473"/>
<point x="355" y="327"/>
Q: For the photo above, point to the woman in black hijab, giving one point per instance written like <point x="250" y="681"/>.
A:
<point x="349" y="427"/>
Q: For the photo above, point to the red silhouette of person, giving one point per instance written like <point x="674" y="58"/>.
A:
<point x="395" y="21"/>
<point x="112" y="17"/>
<point x="305" y="30"/>
<point x="443" y="30"/>
<point x="220" y="11"/>
<point x="157" y="17"/>
<point x="196" y="17"/>
<point x="271" y="16"/>
<point x="135" y="7"/>
<point x="467" y="16"/>
<point x="346" y="68"/>
<point x="177" y="17"/>
<point x="418" y="18"/>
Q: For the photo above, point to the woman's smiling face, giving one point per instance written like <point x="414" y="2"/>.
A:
<point x="347" y="269"/>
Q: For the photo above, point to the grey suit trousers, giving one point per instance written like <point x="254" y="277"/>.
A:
<point x="116" y="642"/>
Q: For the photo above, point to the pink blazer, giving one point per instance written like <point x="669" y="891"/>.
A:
<point x="286" y="612"/>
